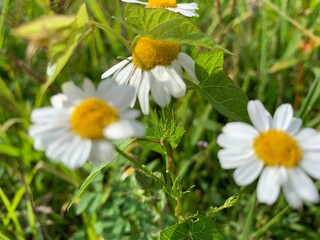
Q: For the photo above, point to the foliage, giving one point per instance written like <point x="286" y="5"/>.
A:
<point x="168" y="185"/>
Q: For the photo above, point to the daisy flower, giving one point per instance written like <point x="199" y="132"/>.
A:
<point x="157" y="66"/>
<point x="278" y="149"/>
<point x="81" y="123"/>
<point x="186" y="9"/>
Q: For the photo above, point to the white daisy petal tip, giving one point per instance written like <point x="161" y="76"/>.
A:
<point x="284" y="156"/>
<point x="163" y="78"/>
<point x="124" y="129"/>
<point x="186" y="9"/>
<point x="71" y="132"/>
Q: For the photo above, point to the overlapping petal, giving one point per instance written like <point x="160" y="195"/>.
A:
<point x="53" y="132"/>
<point x="238" y="142"/>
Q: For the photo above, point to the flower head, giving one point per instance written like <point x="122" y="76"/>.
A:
<point x="157" y="66"/>
<point x="82" y="122"/>
<point x="277" y="149"/>
<point x="186" y="9"/>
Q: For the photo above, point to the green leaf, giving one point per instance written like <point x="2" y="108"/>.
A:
<point x="10" y="151"/>
<point x="166" y="25"/>
<point x="311" y="98"/>
<point x="218" y="89"/>
<point x="4" y="6"/>
<point x="198" y="228"/>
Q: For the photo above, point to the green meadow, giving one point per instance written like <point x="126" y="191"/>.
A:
<point x="168" y="184"/>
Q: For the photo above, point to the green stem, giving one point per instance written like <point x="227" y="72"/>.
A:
<point x="176" y="196"/>
<point x="248" y="223"/>
<point x="111" y="30"/>
<point x="228" y="203"/>
<point x="89" y="222"/>
<point x="144" y="169"/>
<point x="274" y="220"/>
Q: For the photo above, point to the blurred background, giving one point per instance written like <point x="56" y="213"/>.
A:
<point x="275" y="58"/>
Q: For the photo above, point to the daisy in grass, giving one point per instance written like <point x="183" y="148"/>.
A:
<point x="186" y="9"/>
<point x="157" y="66"/>
<point x="82" y="122"/>
<point x="277" y="149"/>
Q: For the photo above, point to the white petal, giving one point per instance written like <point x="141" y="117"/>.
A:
<point x="291" y="196"/>
<point x="294" y="126"/>
<point x="39" y="130"/>
<point x="303" y="185"/>
<point x="282" y="117"/>
<point x="74" y="93"/>
<point x="135" y="82"/>
<point x="188" y="65"/>
<point x="193" y="6"/>
<point x="185" y="12"/>
<point x="101" y="152"/>
<point x="105" y="86"/>
<point x="50" y="115"/>
<point x="43" y="136"/>
<point x="59" y="146"/>
<point x="124" y="129"/>
<point x="240" y="130"/>
<point x="120" y="96"/>
<point x="143" y="94"/>
<point x="177" y="66"/>
<point x="175" y="86"/>
<point x="134" y="1"/>
<point x="59" y="100"/>
<point x="311" y="164"/>
<point x="259" y="116"/>
<point x="308" y="139"/>
<point x="77" y="153"/>
<point x="130" y="114"/>
<point x="268" y="188"/>
<point x="125" y="74"/>
<point x="113" y="69"/>
<point x="247" y="173"/>
<point x="89" y="88"/>
<point x="237" y="142"/>
<point x="232" y="158"/>
<point x="81" y="153"/>
<point x="158" y="92"/>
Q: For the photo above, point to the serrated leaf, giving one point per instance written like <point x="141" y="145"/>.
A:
<point x="210" y="63"/>
<point x="166" y="25"/>
<point x="199" y="228"/>
<point x="218" y="89"/>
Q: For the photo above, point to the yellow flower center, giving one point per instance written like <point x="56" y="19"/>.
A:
<point x="277" y="148"/>
<point x="162" y="3"/>
<point x="91" y="116"/>
<point x="149" y="53"/>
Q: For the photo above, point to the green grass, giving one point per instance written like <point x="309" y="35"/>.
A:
<point x="276" y="58"/>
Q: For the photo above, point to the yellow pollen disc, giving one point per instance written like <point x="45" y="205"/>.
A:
<point x="91" y="116"/>
<point x="149" y="53"/>
<point x="162" y="3"/>
<point x="277" y="148"/>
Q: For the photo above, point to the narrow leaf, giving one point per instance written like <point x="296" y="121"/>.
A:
<point x="311" y="98"/>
